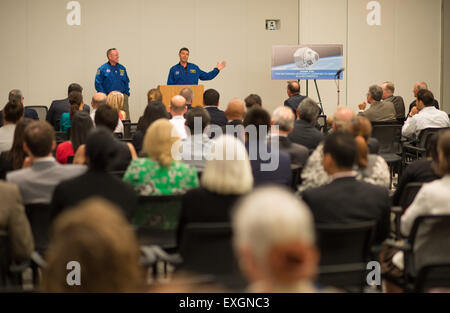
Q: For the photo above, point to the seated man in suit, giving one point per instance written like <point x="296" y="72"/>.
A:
<point x="58" y="107"/>
<point x="399" y="104"/>
<point x="304" y="132"/>
<point x="379" y="111"/>
<point x="269" y="164"/>
<point x="417" y="87"/>
<point x="295" y="98"/>
<point x="235" y="113"/>
<point x="424" y="116"/>
<point x="284" y="119"/>
<point x="346" y="200"/>
<point x="37" y="182"/>
<point x="211" y="103"/>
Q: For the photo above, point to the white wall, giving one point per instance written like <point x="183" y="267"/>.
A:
<point x="42" y="55"/>
<point x="404" y="49"/>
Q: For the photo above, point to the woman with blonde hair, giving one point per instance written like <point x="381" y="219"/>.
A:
<point x="160" y="173"/>
<point x="226" y="177"/>
<point x="115" y="100"/>
<point x="107" y="253"/>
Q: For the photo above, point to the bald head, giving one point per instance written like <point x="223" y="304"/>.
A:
<point x="235" y="110"/>
<point x="188" y="94"/>
<point x="293" y="88"/>
<point x="342" y="116"/>
<point x="177" y="105"/>
<point x="98" y="99"/>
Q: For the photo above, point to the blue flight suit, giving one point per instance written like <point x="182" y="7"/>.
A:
<point x="112" y="78"/>
<point x="189" y="75"/>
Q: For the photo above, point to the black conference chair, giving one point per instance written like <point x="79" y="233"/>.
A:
<point x="408" y="195"/>
<point x="126" y="129"/>
<point x="156" y="220"/>
<point x="435" y="277"/>
<point x="41" y="111"/>
<point x="389" y="139"/>
<point x="416" y="149"/>
<point x="344" y="250"/>
<point x="206" y="249"/>
<point x="437" y="229"/>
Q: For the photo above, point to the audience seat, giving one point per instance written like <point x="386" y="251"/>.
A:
<point x="41" y="111"/>
<point x="344" y="253"/>
<point x="206" y="249"/>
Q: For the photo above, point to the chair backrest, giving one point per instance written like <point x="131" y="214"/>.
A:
<point x="133" y="128"/>
<point x="345" y="243"/>
<point x="388" y="136"/>
<point x="322" y="121"/>
<point x="425" y="135"/>
<point x="408" y="194"/>
<point x="126" y="128"/>
<point x="296" y="172"/>
<point x="5" y="259"/>
<point x="118" y="135"/>
<point x="61" y="137"/>
<point x="39" y="216"/>
<point x="435" y="276"/>
<point x="433" y="245"/>
<point x="158" y="211"/>
<point x="41" y="111"/>
<point x="207" y="249"/>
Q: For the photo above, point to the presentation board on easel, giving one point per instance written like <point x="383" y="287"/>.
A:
<point x="307" y="62"/>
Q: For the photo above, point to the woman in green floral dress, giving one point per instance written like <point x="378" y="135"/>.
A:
<point x="160" y="174"/>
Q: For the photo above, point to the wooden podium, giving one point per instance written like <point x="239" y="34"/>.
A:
<point x="168" y="91"/>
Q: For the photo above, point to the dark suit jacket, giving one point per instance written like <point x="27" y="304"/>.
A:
<point x="305" y="134"/>
<point x="59" y="107"/>
<point x="293" y="102"/>
<point x="217" y="116"/>
<point x="280" y="175"/>
<point x="346" y="200"/>
<point x="413" y="104"/>
<point x="299" y="154"/>
<point x="399" y="105"/>
<point x="70" y="192"/>
<point x="233" y="123"/>
<point x="200" y="205"/>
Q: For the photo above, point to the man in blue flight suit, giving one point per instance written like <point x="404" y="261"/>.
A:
<point x="112" y="76"/>
<point x="185" y="73"/>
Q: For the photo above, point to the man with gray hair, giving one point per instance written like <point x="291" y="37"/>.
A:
<point x="16" y="96"/>
<point x="284" y="119"/>
<point x="304" y="132"/>
<point x="187" y="94"/>
<point x="399" y="104"/>
<point x="275" y="244"/>
<point x="417" y="87"/>
<point x="379" y="111"/>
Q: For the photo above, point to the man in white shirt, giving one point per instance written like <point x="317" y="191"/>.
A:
<point x="12" y="113"/>
<point x="177" y="109"/>
<point x="426" y="116"/>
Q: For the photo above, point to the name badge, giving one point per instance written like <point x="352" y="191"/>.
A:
<point x="193" y="71"/>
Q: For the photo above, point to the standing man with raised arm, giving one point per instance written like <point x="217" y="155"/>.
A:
<point x="112" y="76"/>
<point x="185" y="73"/>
